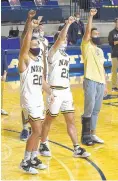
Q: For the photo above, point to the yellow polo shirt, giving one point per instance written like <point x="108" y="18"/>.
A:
<point x="93" y="58"/>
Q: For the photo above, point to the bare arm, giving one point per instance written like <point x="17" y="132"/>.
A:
<point x="105" y="77"/>
<point x="62" y="36"/>
<point x="46" y="87"/>
<point x="23" y="57"/>
<point x="45" y="61"/>
<point x="31" y="14"/>
<point x="87" y="34"/>
<point x="115" y="42"/>
<point x="106" y="89"/>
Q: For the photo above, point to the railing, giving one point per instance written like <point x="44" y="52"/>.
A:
<point x="106" y="11"/>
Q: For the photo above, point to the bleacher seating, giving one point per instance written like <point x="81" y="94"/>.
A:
<point x="50" y="11"/>
<point x="115" y="2"/>
<point x="13" y="43"/>
<point x="52" y="3"/>
<point x="27" y="4"/>
<point x="105" y="2"/>
<point x="4" y="44"/>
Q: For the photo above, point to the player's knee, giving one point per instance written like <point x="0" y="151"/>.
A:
<point x="37" y="133"/>
<point x="49" y="118"/>
<point x="47" y="122"/>
<point x="71" y="122"/>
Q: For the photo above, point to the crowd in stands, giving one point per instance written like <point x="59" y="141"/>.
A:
<point x="19" y="2"/>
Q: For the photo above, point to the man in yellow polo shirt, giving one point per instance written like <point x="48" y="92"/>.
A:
<point x="94" y="82"/>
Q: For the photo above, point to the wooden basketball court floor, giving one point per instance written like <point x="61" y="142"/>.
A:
<point x="103" y="163"/>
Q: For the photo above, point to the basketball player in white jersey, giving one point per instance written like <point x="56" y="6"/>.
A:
<point x="31" y="84"/>
<point x="59" y="81"/>
<point x="43" y="45"/>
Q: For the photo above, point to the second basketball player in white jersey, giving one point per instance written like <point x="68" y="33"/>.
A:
<point x="31" y="84"/>
<point x="39" y="34"/>
<point x="59" y="80"/>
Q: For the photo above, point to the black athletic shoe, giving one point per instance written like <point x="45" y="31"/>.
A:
<point x="44" y="150"/>
<point x="36" y="163"/>
<point x="27" y="167"/>
<point x="81" y="152"/>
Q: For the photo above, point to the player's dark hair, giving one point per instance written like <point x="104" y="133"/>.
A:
<point x="93" y="29"/>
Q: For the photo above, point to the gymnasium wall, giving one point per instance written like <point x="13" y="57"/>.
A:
<point x="50" y="29"/>
<point x="76" y="61"/>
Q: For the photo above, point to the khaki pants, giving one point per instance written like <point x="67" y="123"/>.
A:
<point x="114" y="72"/>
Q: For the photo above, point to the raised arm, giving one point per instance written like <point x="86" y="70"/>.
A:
<point x="31" y="14"/>
<point x="23" y="56"/>
<point x="87" y="34"/>
<point x="45" y="61"/>
<point x="62" y="35"/>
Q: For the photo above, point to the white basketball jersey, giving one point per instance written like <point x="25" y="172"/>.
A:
<point x="58" y="74"/>
<point x="31" y="84"/>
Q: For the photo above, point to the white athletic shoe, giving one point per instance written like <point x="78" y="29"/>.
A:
<point x="3" y="112"/>
<point x="36" y="163"/>
<point x="96" y="139"/>
<point x="44" y="150"/>
<point x="47" y="143"/>
<point x="81" y="152"/>
<point x="27" y="168"/>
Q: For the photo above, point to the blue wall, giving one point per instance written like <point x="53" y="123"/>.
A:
<point x="76" y="65"/>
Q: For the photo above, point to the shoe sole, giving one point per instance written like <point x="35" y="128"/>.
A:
<point x="80" y="156"/>
<point x="98" y="142"/>
<point x="27" y="172"/>
<point x="23" y="139"/>
<point x="40" y="168"/>
<point x="44" y="155"/>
